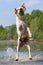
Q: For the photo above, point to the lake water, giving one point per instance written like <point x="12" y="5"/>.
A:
<point x="8" y="58"/>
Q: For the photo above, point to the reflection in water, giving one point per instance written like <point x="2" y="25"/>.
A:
<point x="7" y="58"/>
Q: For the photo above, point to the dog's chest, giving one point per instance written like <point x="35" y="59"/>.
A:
<point x="18" y="22"/>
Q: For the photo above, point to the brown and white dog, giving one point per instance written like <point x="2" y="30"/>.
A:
<point x="22" y="30"/>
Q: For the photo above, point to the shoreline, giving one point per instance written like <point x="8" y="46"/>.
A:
<point x="7" y="40"/>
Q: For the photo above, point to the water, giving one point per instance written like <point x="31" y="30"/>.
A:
<point x="8" y="58"/>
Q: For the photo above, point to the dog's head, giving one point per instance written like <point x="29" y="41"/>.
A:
<point x="20" y="10"/>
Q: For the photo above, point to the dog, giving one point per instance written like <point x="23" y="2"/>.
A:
<point x="23" y="30"/>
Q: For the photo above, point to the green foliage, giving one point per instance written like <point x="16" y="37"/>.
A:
<point x="3" y="33"/>
<point x="28" y="19"/>
<point x="35" y="22"/>
<point x="34" y="27"/>
<point x="12" y="34"/>
<point x="36" y="13"/>
<point x="8" y="33"/>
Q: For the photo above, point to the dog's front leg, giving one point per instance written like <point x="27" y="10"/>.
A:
<point x="30" y="34"/>
<point x="18" y="42"/>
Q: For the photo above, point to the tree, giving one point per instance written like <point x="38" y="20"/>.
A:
<point x="3" y="33"/>
<point x="28" y="19"/>
<point x="36" y="13"/>
<point x="12" y="32"/>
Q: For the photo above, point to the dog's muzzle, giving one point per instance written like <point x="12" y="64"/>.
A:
<point x="21" y="12"/>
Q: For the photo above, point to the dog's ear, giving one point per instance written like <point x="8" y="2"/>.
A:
<point x="15" y="11"/>
<point x="23" y="6"/>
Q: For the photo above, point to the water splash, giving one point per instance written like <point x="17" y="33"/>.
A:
<point x="10" y="53"/>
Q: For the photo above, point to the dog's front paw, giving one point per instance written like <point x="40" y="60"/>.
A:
<point x="30" y="38"/>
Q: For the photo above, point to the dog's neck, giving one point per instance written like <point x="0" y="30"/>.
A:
<point x="20" y="18"/>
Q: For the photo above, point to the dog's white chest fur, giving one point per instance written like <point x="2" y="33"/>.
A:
<point x="18" y="23"/>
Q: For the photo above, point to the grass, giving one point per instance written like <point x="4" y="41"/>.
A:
<point x="35" y="45"/>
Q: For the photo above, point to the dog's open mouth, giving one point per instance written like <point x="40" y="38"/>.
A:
<point x="21" y="12"/>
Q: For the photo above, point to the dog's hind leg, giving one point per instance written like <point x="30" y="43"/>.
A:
<point x="28" y="47"/>
<point x="17" y="55"/>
